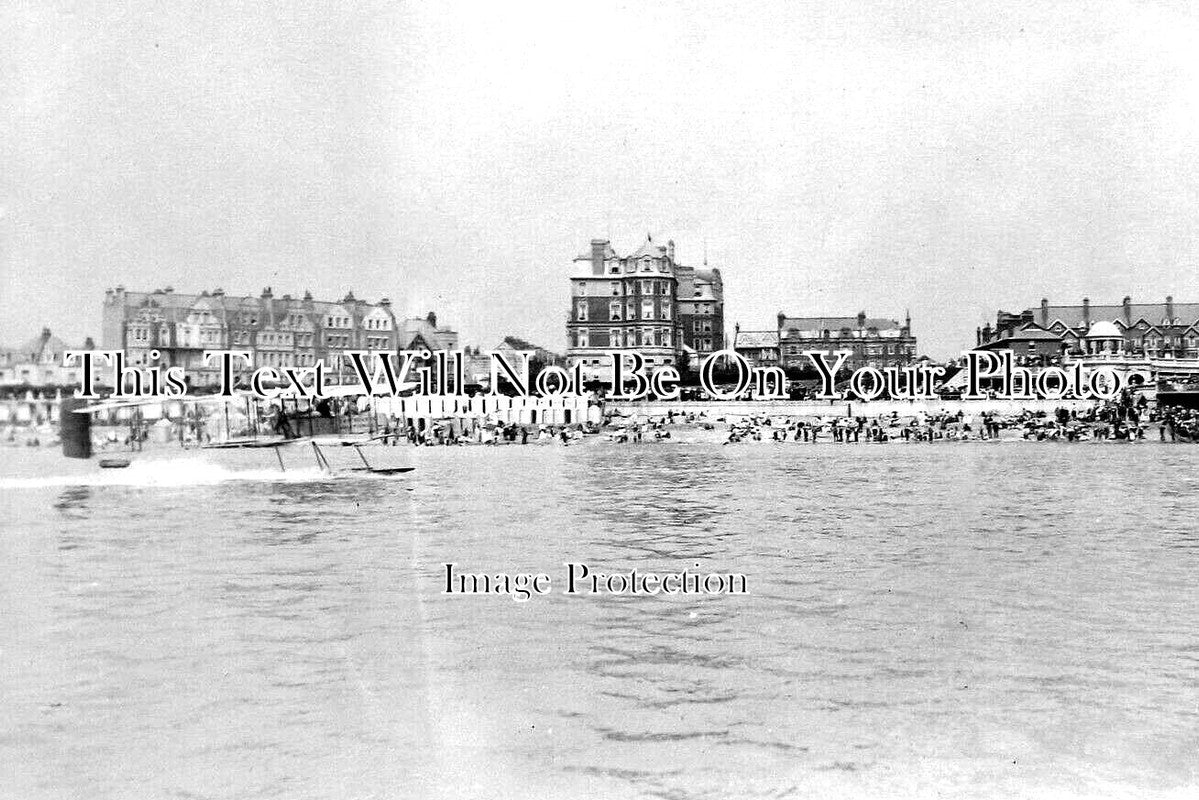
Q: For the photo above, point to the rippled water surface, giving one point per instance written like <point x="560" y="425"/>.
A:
<point x="1010" y="620"/>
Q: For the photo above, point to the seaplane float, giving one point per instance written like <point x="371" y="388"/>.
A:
<point x="237" y="424"/>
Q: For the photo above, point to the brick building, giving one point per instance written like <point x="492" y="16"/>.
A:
<point x="623" y="303"/>
<point x="1153" y="330"/>
<point x="278" y="331"/>
<point x="870" y="341"/>
<point x="700" y="310"/>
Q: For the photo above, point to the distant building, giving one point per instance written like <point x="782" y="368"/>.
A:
<point x="623" y="303"/>
<point x="277" y="331"/>
<point x="870" y="341"/>
<point x="1152" y="330"/>
<point x="476" y="363"/>
<point x="514" y="344"/>
<point x="700" y="310"/>
<point x="1030" y="342"/>
<point x="423" y="333"/>
<point x="38" y="364"/>
<point x="759" y="348"/>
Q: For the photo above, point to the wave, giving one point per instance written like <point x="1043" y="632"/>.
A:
<point x="168" y="473"/>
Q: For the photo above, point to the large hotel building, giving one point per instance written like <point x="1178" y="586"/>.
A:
<point x="644" y="301"/>
<point x="277" y="331"/>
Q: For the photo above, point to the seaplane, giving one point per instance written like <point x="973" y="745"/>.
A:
<point x="237" y="422"/>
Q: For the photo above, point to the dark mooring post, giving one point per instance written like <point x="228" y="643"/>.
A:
<point x="75" y="430"/>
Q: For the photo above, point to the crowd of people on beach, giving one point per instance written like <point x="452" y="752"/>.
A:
<point x="1125" y="421"/>
<point x="1132" y="418"/>
<point x="463" y="432"/>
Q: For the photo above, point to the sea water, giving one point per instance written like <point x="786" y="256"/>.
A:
<point x="962" y="620"/>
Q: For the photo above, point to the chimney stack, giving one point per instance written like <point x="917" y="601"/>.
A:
<point x="861" y="319"/>
<point x="1086" y="313"/>
<point x="599" y="248"/>
<point x="1044" y="312"/>
<point x="670" y="250"/>
<point x="1169" y="310"/>
<point x="1127" y="303"/>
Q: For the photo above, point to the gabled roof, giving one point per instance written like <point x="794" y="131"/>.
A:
<point x="39" y="346"/>
<point x="648" y="248"/>
<point x="1155" y="313"/>
<point x="516" y="343"/>
<point x="756" y="339"/>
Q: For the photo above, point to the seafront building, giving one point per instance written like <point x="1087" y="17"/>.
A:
<point x="869" y="341"/>
<point x="634" y="302"/>
<point x="1151" y="330"/>
<point x="281" y="331"/>
<point x="38" y="364"/>
<point x="758" y="348"/>
<point x="700" y="310"/>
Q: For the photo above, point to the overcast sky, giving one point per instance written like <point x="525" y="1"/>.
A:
<point x="950" y="158"/>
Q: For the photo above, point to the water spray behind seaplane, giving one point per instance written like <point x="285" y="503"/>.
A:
<point x="76" y="416"/>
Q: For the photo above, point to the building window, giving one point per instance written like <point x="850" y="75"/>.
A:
<point x="583" y="339"/>
<point x="581" y="311"/>
<point x="647" y="287"/>
<point x="665" y="309"/>
<point x="614" y="337"/>
<point x="614" y="310"/>
<point x="616" y="288"/>
<point x="647" y="309"/>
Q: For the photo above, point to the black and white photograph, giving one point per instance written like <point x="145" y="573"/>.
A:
<point x="679" y="400"/>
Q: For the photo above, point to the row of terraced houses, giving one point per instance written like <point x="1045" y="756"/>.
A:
<point x="281" y="331"/>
